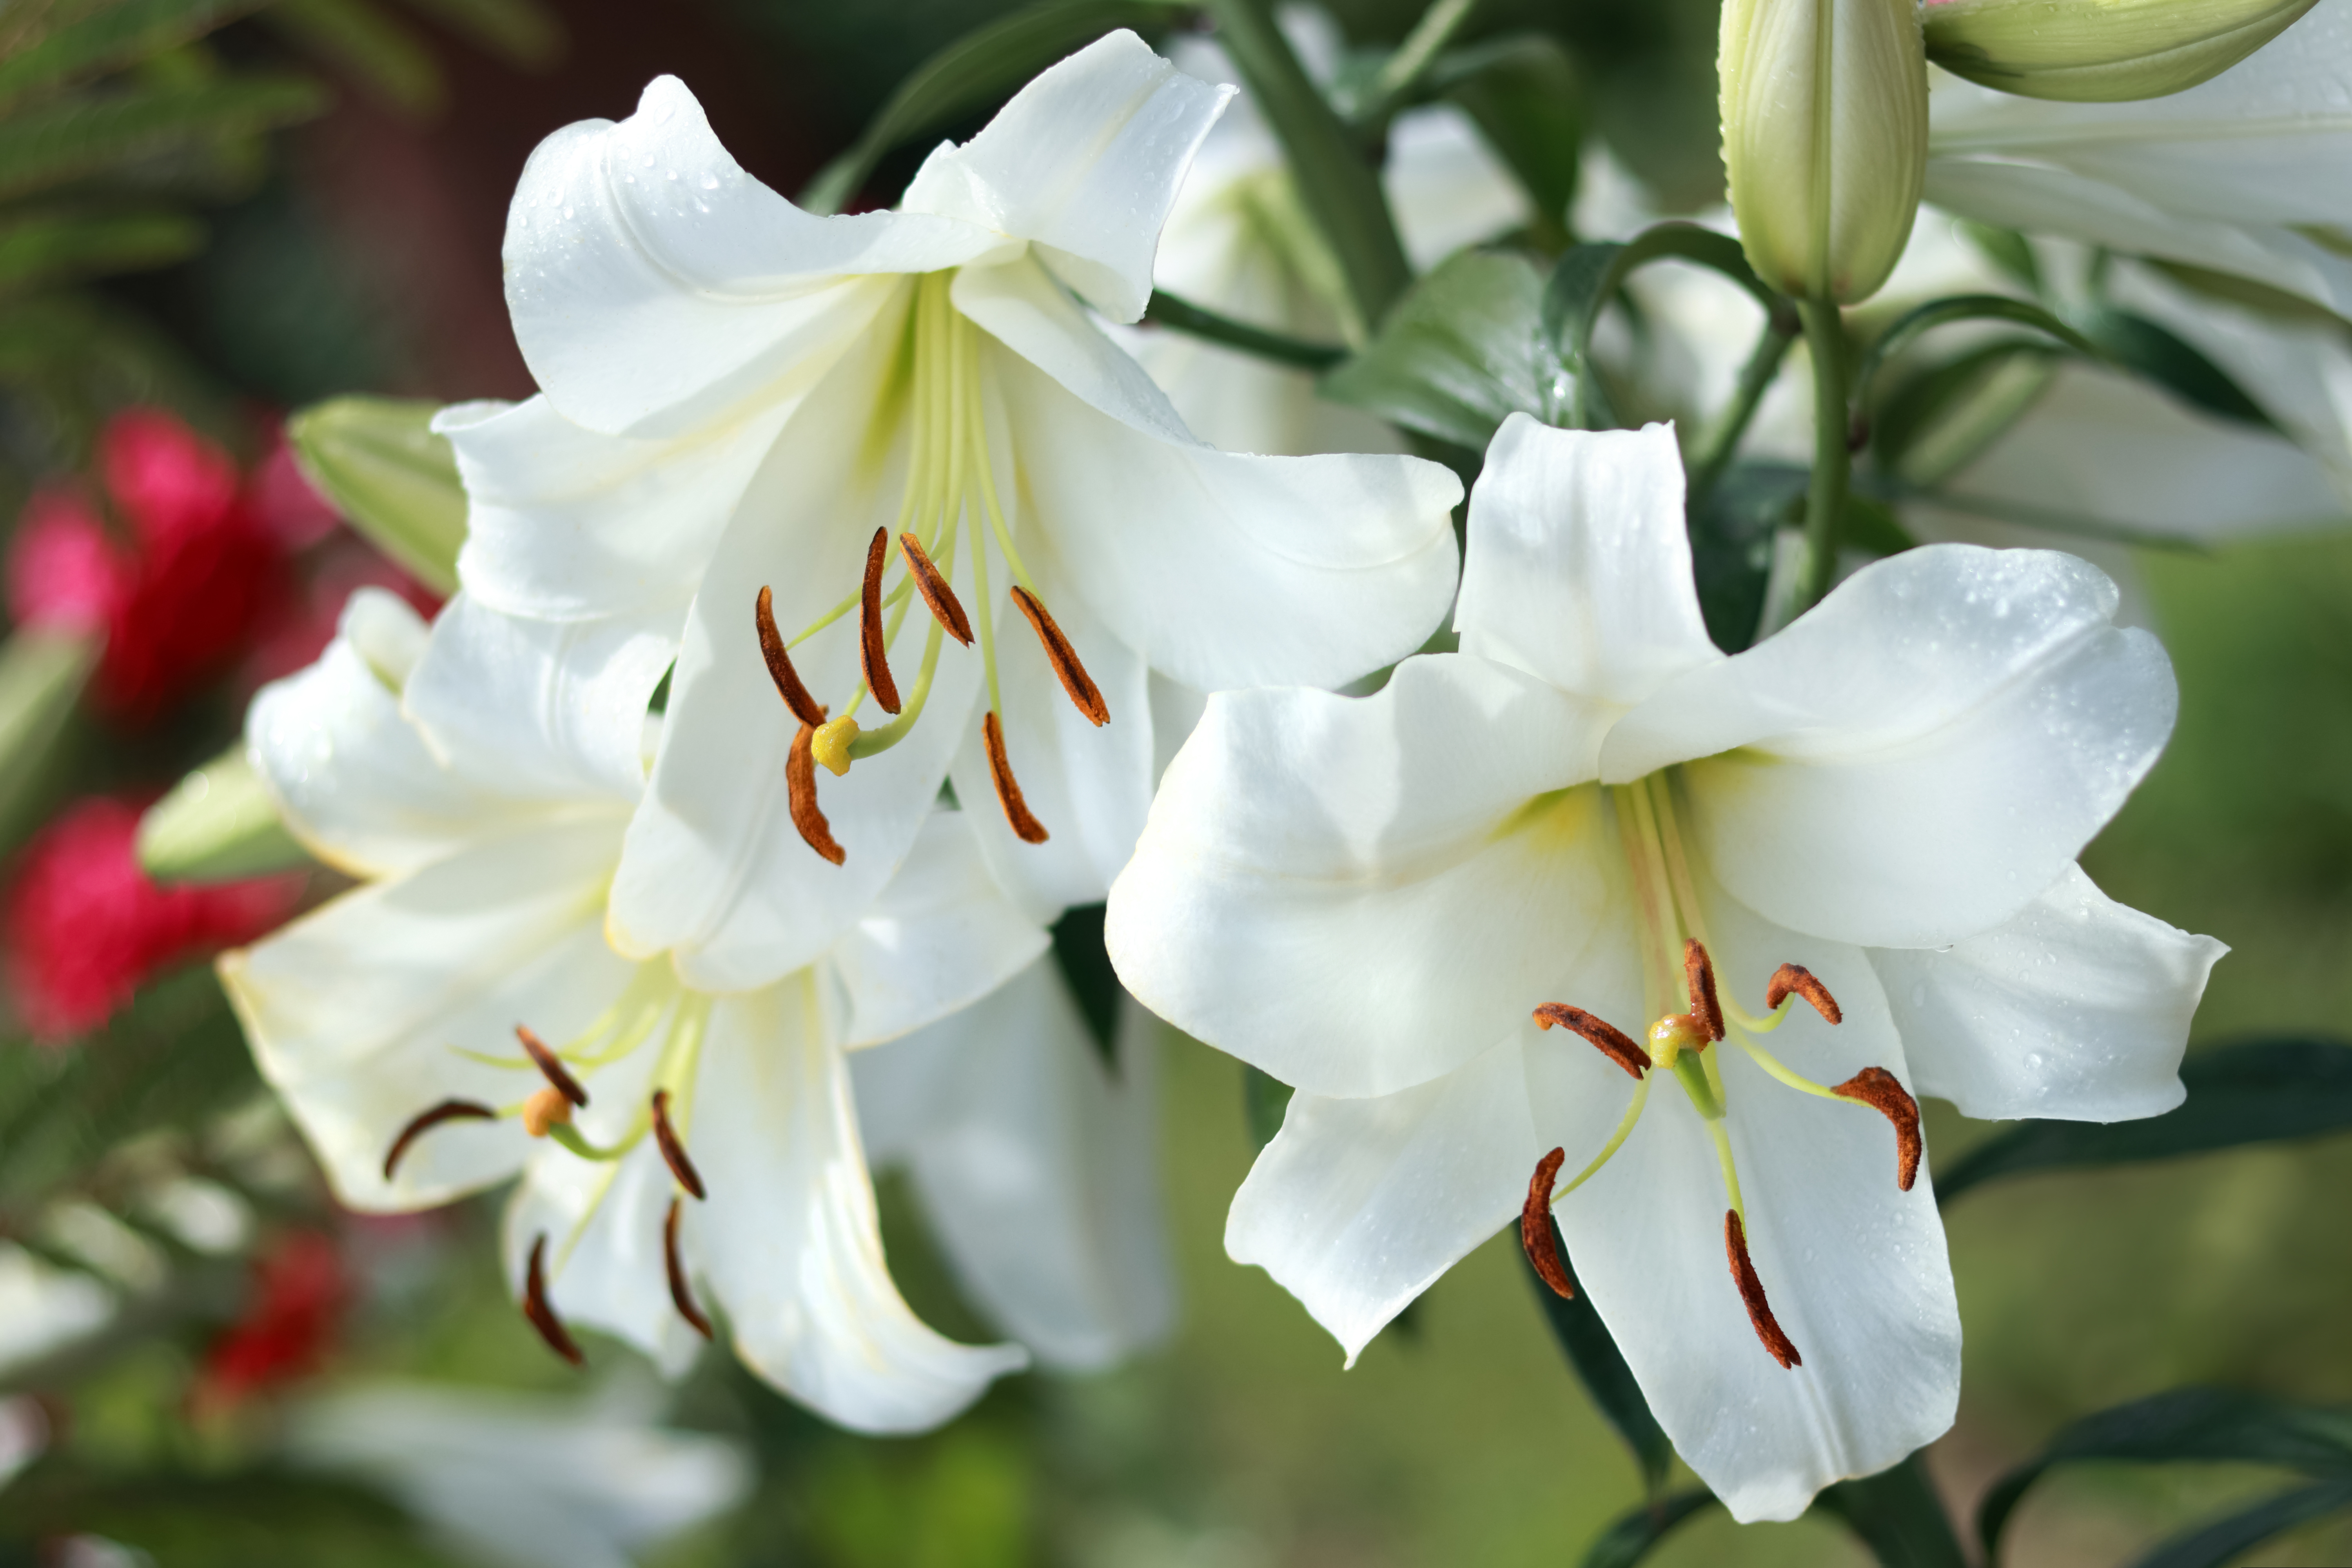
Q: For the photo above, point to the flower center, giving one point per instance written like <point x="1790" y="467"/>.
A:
<point x="1674" y="930"/>
<point x="949" y="497"/>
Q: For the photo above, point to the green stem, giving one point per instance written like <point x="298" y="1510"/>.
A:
<point x="1755" y="377"/>
<point x="1338" y="187"/>
<point x="1402" y="70"/>
<point x="1183" y="316"/>
<point x="1832" y="462"/>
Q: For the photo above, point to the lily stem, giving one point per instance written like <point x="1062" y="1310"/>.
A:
<point x="1197" y="321"/>
<point x="1755" y="378"/>
<point x="1402" y="70"/>
<point x="1832" y="460"/>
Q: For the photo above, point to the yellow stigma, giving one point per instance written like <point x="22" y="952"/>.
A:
<point x="830" y="744"/>
<point x="1673" y="1034"/>
<point x="546" y="1107"/>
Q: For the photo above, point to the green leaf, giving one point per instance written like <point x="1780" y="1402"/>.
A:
<point x="45" y="247"/>
<point x="2007" y="249"/>
<point x="1086" y="967"/>
<point x="73" y="137"/>
<point x="1589" y="276"/>
<point x="2255" y="1092"/>
<point x="1898" y="1515"/>
<point x="1731" y="531"/>
<point x="1871" y="526"/>
<point x="377" y="459"/>
<point x="116" y="35"/>
<point x="1632" y="1534"/>
<point x="2215" y="1544"/>
<point x="969" y="74"/>
<point x="1165" y="309"/>
<point x="1524" y="95"/>
<point x="1459" y="354"/>
<point x="381" y="54"/>
<point x="218" y="824"/>
<point x="1264" y="1098"/>
<point x="1601" y="1366"/>
<point x="42" y="674"/>
<point x="2158" y="354"/>
<point x="523" y="33"/>
<point x="1938" y="421"/>
<point x="1941" y="312"/>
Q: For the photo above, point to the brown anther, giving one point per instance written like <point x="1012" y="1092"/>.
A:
<point x="551" y="1067"/>
<point x="543" y="1316"/>
<point x="1008" y="789"/>
<point x="1797" y="978"/>
<point x="871" y="653"/>
<point x="546" y="1107"/>
<point x="946" y="608"/>
<point x="680" y="1296"/>
<point x="1751" y="1291"/>
<point x="672" y="1151"/>
<point x="1884" y="1092"/>
<point x="1536" y="1239"/>
<point x="800" y="795"/>
<point x="1698" y="975"/>
<point x="780" y="664"/>
<point x="1084" y="693"/>
<point x="1618" y="1047"/>
<point x="424" y="1121"/>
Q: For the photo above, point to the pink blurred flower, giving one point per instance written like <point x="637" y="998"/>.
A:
<point x="290" y="1324"/>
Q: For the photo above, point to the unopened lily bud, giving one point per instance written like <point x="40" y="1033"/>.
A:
<point x="1825" y="138"/>
<point x="2100" y="51"/>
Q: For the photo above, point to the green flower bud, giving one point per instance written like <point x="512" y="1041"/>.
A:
<point x="2100" y="51"/>
<point x="1825" y="138"/>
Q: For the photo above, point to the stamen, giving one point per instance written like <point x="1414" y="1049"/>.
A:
<point x="545" y="1110"/>
<point x="1751" y="1291"/>
<point x="672" y="1151"/>
<point x="1797" y="978"/>
<point x="1084" y="694"/>
<point x="680" y="1296"/>
<point x="872" y="652"/>
<point x="780" y="663"/>
<point x="447" y="1111"/>
<point x="1617" y="1046"/>
<point x="552" y="1066"/>
<point x="800" y="791"/>
<point x="543" y="1316"/>
<point x="1025" y="826"/>
<point x="1535" y="1238"/>
<point x="946" y="608"/>
<point x="1884" y="1092"/>
<point x="1698" y="974"/>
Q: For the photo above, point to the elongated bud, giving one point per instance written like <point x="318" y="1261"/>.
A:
<point x="1825" y="139"/>
<point x="2100" y="51"/>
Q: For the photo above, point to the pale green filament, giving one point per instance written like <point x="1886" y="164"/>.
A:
<point x="1624" y="1127"/>
<point x="1730" y="1173"/>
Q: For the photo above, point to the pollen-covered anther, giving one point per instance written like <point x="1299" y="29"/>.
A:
<point x="673" y="1151"/>
<point x="1615" y="1044"/>
<point x="1751" y="1292"/>
<point x="426" y="1121"/>
<point x="543" y="1316"/>
<point x="789" y="686"/>
<point x="674" y="1263"/>
<point x="1084" y="693"/>
<point x="1884" y="1092"/>
<point x="873" y="655"/>
<point x="800" y="797"/>
<point x="1795" y="978"/>
<point x="1025" y="825"/>
<point x="1536" y="1239"/>
<point x="1698" y="975"/>
<point x="946" y="608"/>
<point x="551" y="1067"/>
<point x="545" y="1109"/>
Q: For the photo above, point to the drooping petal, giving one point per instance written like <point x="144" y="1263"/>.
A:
<point x="2077" y="1009"/>
<point x="1083" y="162"/>
<point x="1220" y="569"/>
<point x="655" y="286"/>
<point x="357" y="1014"/>
<point x="1361" y="894"/>
<point x="1918" y="757"/>
<point x="1037" y="1166"/>
<point x="789" y="1240"/>
<point x="1578" y="566"/>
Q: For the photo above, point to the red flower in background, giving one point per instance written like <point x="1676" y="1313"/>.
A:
<point x="84" y="926"/>
<point x="295" y="1306"/>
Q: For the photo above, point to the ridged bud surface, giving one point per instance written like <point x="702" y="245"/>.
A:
<point x="2100" y="51"/>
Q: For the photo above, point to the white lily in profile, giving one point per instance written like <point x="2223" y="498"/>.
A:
<point x="1411" y="905"/>
<point x="460" y="1019"/>
<point x="848" y="440"/>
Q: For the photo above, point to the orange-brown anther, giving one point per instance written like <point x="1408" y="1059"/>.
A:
<point x="673" y="1152"/>
<point x="551" y="1067"/>
<point x="1618" y="1047"/>
<point x="946" y="608"/>
<point x="543" y="1316"/>
<point x="1797" y="978"/>
<point x="1751" y="1291"/>
<point x="800" y="795"/>
<point x="426" y="1121"/>
<point x="1535" y="1238"/>
<point x="1698" y="975"/>
<point x="1008" y="789"/>
<point x="1884" y="1092"/>
<point x="872" y="656"/>
<point x="680" y="1296"/>
<point x="1084" y="693"/>
<point x="780" y="664"/>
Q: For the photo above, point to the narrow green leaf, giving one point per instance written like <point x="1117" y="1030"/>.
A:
<point x="1898" y="1515"/>
<point x="1600" y="1366"/>
<point x="2007" y="249"/>
<point x="1460" y="353"/>
<point x="523" y="33"/>
<point x="2213" y="1546"/>
<point x="118" y="35"/>
<point x="1166" y="310"/>
<point x="38" y="248"/>
<point x="377" y="459"/>
<point x="2157" y="354"/>
<point x="1589" y="276"/>
<point x="42" y="674"/>
<point x="217" y="825"/>
<point x="1871" y="526"/>
<point x="1935" y="313"/>
<point x="1938" y="421"/>
<point x="378" y="53"/>
<point x="1528" y="103"/>
<point x="1086" y="966"/>
<point x="1264" y="1098"/>
<point x="73" y="137"/>
<point x="1634" y="1532"/>
<point x="1731" y="530"/>
<point x="2255" y="1092"/>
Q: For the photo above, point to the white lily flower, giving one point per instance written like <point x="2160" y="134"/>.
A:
<point x="740" y="396"/>
<point x="678" y="1149"/>
<point x="1387" y="901"/>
